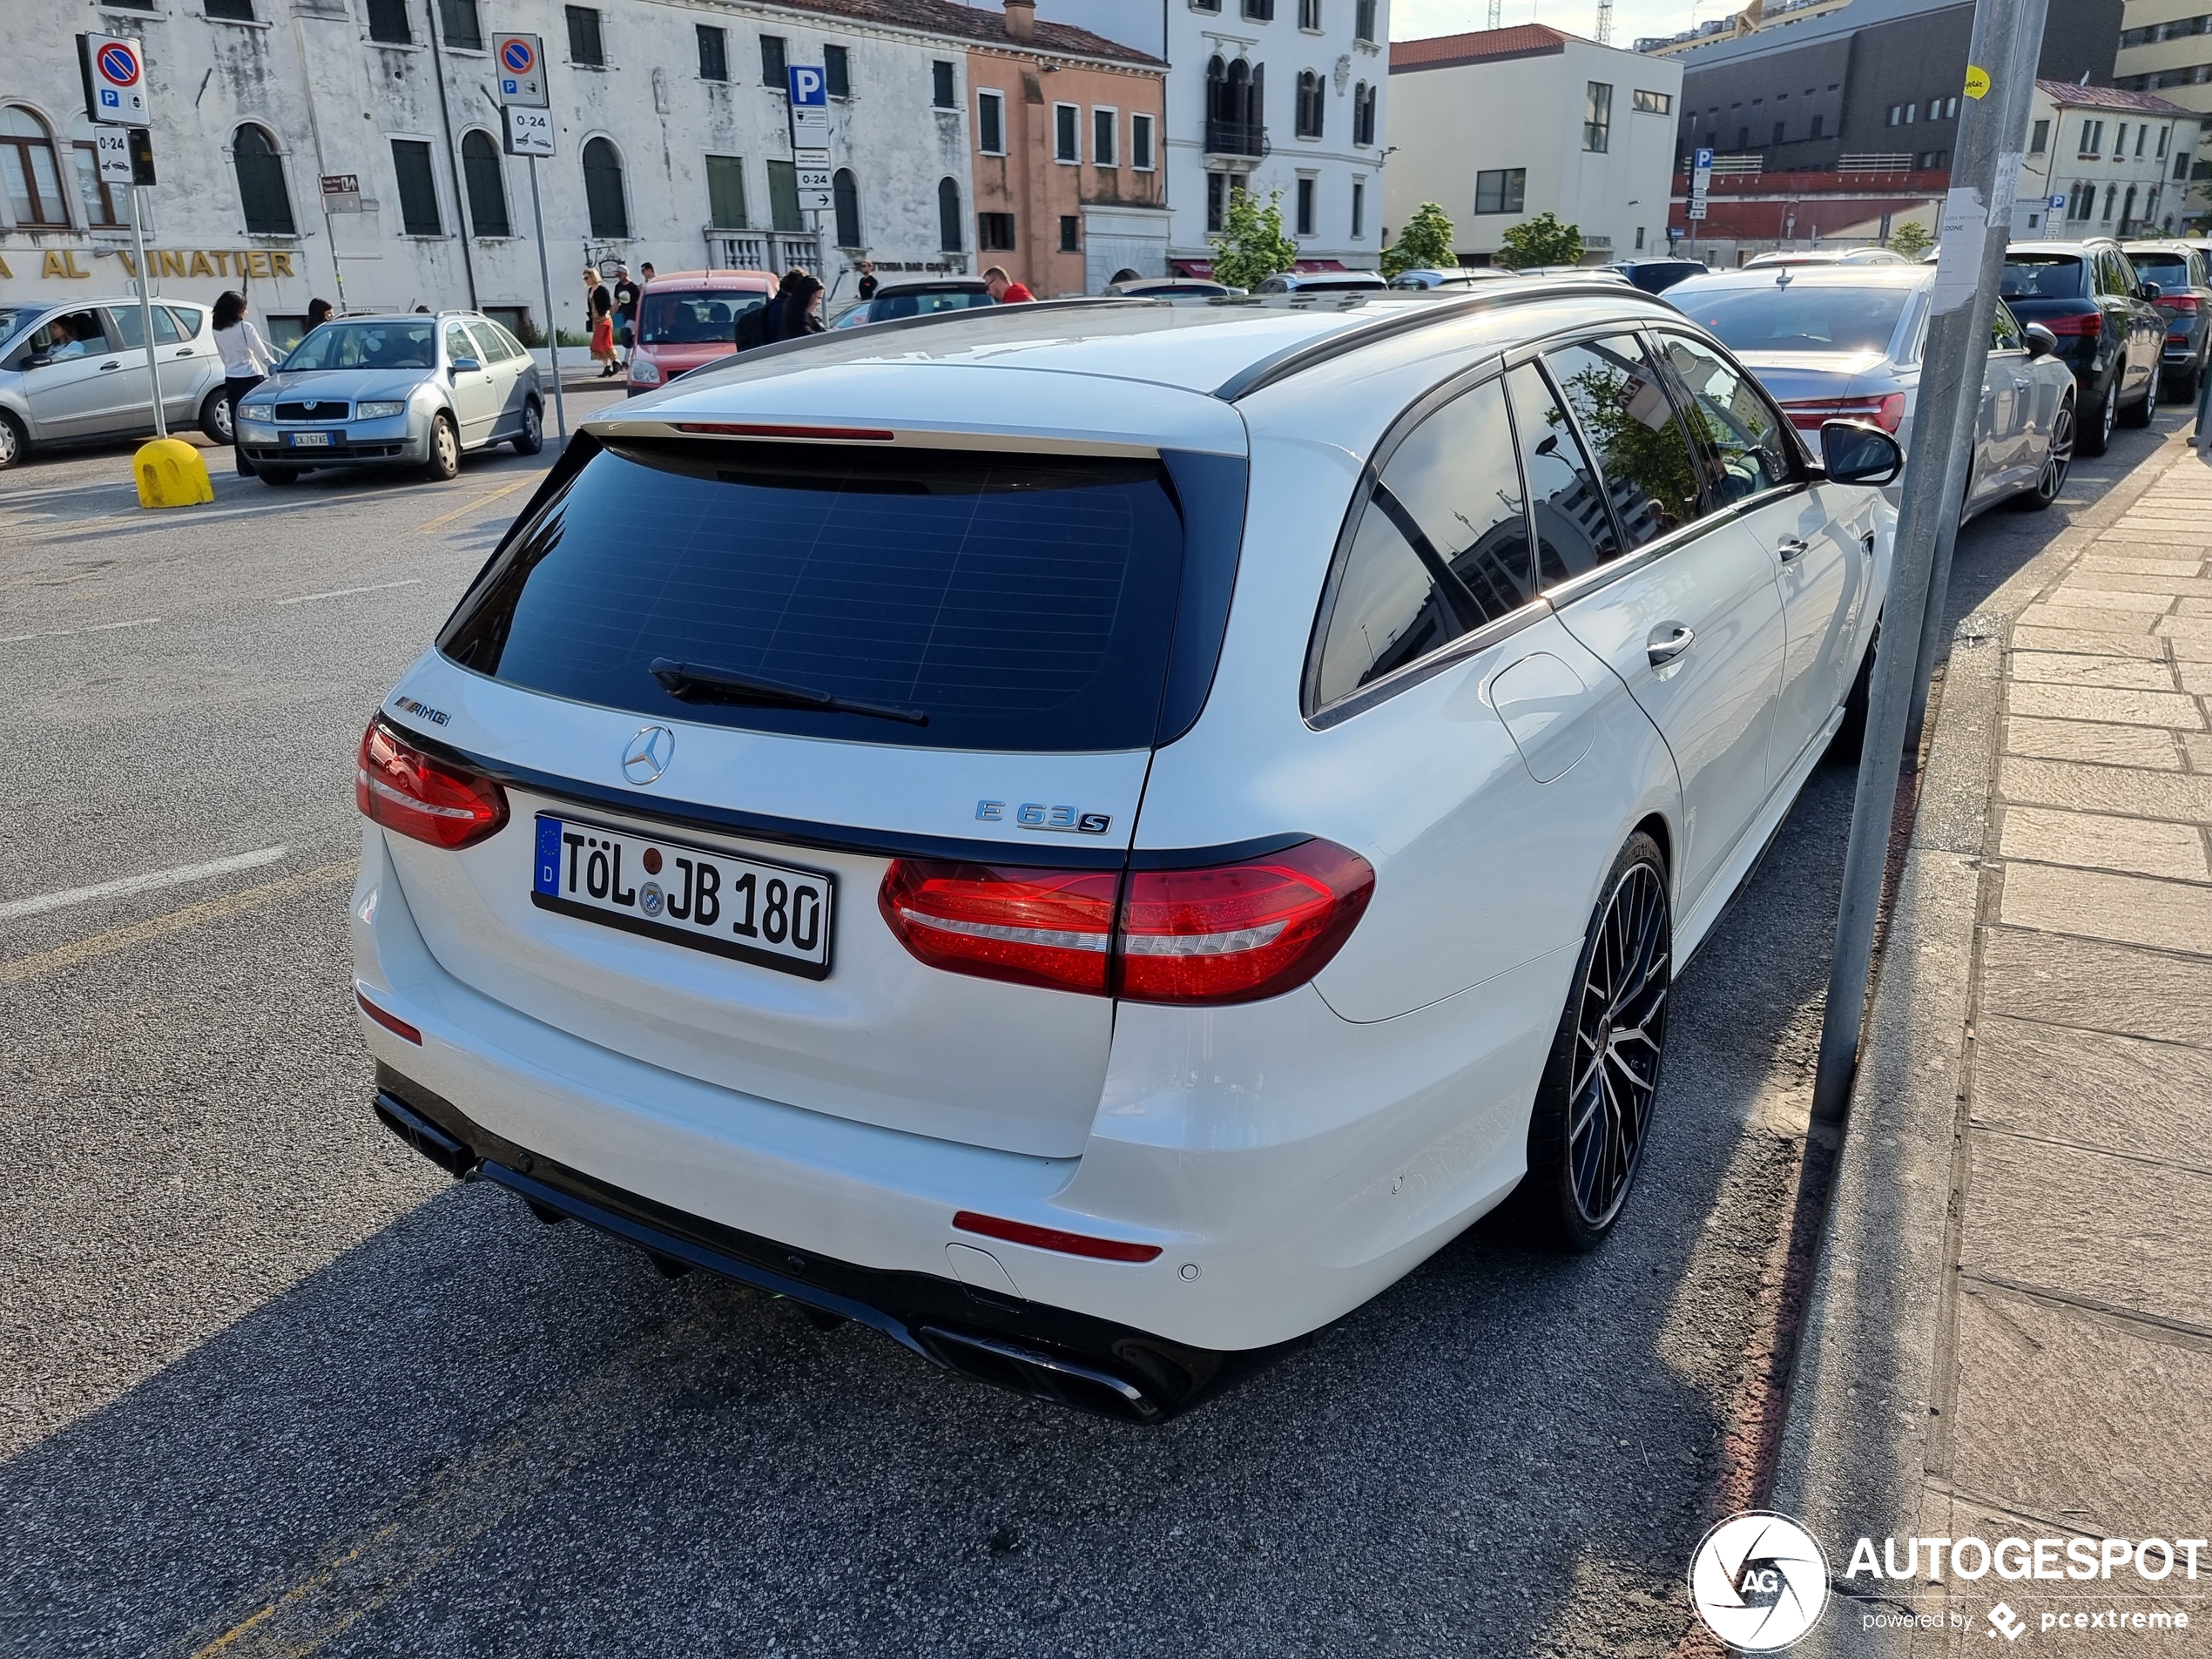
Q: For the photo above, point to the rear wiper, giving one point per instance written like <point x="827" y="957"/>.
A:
<point x="694" y="684"/>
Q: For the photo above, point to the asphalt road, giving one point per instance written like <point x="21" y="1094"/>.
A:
<point x="271" y="1384"/>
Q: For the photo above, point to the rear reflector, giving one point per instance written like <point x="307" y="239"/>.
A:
<point x="2075" y="324"/>
<point x="403" y="788"/>
<point x="1021" y="1232"/>
<point x="391" y="1022"/>
<point x="1886" y="412"/>
<point x="1226" y="932"/>
<point x="749" y="430"/>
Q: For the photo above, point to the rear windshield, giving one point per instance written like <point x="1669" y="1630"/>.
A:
<point x="2043" y="276"/>
<point x="1797" y="316"/>
<point x="701" y="319"/>
<point x="885" y="307"/>
<point x="367" y="344"/>
<point x="2167" y="269"/>
<point x="1021" y="603"/>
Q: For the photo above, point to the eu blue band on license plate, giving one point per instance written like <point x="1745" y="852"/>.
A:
<point x="729" y="904"/>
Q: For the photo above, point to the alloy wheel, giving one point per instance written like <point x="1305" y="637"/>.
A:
<point x="2108" y="411"/>
<point x="2061" y="460"/>
<point x="1620" y="1031"/>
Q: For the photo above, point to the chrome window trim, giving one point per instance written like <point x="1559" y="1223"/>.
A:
<point x="1444" y="656"/>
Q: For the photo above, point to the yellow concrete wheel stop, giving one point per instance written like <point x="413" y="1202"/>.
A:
<point x="171" y="473"/>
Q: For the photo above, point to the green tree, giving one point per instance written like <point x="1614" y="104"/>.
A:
<point x="1251" y="247"/>
<point x="1911" y="240"/>
<point x="1541" y="241"/>
<point x="1424" y="244"/>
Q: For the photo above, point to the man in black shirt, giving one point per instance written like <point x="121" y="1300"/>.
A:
<point x="625" y="313"/>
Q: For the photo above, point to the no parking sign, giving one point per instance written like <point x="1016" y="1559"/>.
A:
<point x="115" y="78"/>
<point x="521" y="60"/>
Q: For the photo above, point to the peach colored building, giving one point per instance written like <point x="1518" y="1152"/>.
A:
<point x="1069" y="156"/>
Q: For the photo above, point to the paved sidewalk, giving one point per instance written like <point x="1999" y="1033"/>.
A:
<point x="2049" y="1375"/>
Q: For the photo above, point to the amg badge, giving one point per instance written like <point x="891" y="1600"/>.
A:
<point x="1067" y="820"/>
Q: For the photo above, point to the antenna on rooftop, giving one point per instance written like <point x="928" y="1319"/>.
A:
<point x="1605" y="22"/>
<point x="1497" y="14"/>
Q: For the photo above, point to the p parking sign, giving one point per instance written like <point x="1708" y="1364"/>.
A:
<point x="115" y="78"/>
<point x="519" y="61"/>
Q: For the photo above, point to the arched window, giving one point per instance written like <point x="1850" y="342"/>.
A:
<point x="949" y="215"/>
<point x="100" y="200"/>
<point x="260" y="184"/>
<point x="487" y="187"/>
<point x="1217" y="88"/>
<point x="602" y="190"/>
<point x="845" y="196"/>
<point x="1363" y="113"/>
<point x="34" y="173"/>
<point x="1309" y="105"/>
<point x="1237" y="93"/>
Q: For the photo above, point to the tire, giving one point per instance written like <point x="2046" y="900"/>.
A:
<point x="2095" y="435"/>
<point x="445" y="449"/>
<point x="1851" y="736"/>
<point x="2051" y="482"/>
<point x="15" y="442"/>
<point x="277" y="476"/>
<point x="531" y="438"/>
<point x="2141" y="414"/>
<point x="215" y="417"/>
<point x="1592" y="1111"/>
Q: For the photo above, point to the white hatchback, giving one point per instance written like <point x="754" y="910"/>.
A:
<point x="1093" y="838"/>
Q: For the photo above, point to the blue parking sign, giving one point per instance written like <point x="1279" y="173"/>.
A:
<point x="809" y="87"/>
<point x="1703" y="160"/>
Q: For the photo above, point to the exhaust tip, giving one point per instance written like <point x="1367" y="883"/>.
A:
<point x="1043" y="1374"/>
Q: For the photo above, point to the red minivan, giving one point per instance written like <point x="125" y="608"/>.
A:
<point x="686" y="318"/>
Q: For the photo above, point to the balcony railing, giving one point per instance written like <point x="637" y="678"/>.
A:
<point x="1885" y="161"/>
<point x="1236" y="138"/>
<point x="765" y="250"/>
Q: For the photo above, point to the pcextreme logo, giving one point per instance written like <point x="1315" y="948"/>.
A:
<point x="1758" y="1580"/>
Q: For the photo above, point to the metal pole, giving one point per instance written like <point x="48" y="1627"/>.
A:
<point x="1977" y="222"/>
<point x="145" y="308"/>
<point x="552" y="323"/>
<point x="2013" y="95"/>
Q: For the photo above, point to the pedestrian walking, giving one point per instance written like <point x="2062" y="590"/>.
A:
<point x="1004" y="288"/>
<point x="626" y="294"/>
<point x="762" y="324"/>
<point x="599" y="307"/>
<point x="868" y="284"/>
<point x="246" y="361"/>
<point x="799" y="311"/>
<point x="319" y="313"/>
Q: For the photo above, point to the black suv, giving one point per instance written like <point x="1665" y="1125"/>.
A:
<point x="2110" y="329"/>
<point x="2184" y="277"/>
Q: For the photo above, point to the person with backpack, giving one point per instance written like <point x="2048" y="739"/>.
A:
<point x="799" y="311"/>
<point x="762" y="324"/>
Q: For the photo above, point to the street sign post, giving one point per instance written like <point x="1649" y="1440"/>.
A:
<point x="115" y="94"/>
<point x="341" y="192"/>
<point x="808" y="86"/>
<point x="519" y="61"/>
<point x="530" y="132"/>
<point x="115" y="78"/>
<point x="1701" y="176"/>
<point x="113" y="145"/>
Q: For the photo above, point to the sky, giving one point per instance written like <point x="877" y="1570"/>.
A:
<point x="1417" y="19"/>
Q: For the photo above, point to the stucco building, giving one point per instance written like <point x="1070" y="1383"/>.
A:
<point x="2121" y="159"/>
<point x="2165" y="48"/>
<point x="671" y="120"/>
<point x="1070" y="181"/>
<point x="1502" y="125"/>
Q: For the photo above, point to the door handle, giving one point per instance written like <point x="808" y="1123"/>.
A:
<point x="111" y="363"/>
<point x="1791" y="547"/>
<point x="1663" y="647"/>
<point x="186" y="352"/>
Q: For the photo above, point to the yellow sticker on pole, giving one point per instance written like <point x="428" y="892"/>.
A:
<point x="1976" y="80"/>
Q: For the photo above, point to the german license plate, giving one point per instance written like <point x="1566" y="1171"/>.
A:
<point x="307" y="439"/>
<point x="772" y="915"/>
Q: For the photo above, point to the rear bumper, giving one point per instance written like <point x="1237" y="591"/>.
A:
<point x="1049" y="1353"/>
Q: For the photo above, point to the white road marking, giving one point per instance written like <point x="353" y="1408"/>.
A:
<point x="339" y="593"/>
<point x="72" y="633"/>
<point x="39" y="904"/>
<point x="138" y="622"/>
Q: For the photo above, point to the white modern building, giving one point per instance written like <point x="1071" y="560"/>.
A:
<point x="1265" y="95"/>
<point x="1502" y="125"/>
<point x="2102" y="161"/>
<point x="351" y="149"/>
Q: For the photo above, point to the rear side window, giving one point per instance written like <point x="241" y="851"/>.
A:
<point x="1440" y="547"/>
<point x="1020" y="602"/>
<point x="1642" y="454"/>
<point x="2043" y="276"/>
<point x="1574" y="528"/>
<point x="1745" y="445"/>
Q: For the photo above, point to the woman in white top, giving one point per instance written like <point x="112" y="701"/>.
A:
<point x="246" y="360"/>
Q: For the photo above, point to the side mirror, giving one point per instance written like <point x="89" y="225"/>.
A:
<point x="38" y="360"/>
<point x="2149" y="291"/>
<point x="2042" y="342"/>
<point x="1855" y="453"/>
<point x="466" y="365"/>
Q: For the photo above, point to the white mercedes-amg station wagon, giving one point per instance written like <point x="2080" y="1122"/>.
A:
<point x="1093" y="838"/>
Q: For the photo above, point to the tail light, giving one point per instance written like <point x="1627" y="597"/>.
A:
<point x="405" y="789"/>
<point x="1226" y="932"/>
<point x="1808" y="414"/>
<point x="2182" y="305"/>
<point x="2076" y="325"/>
